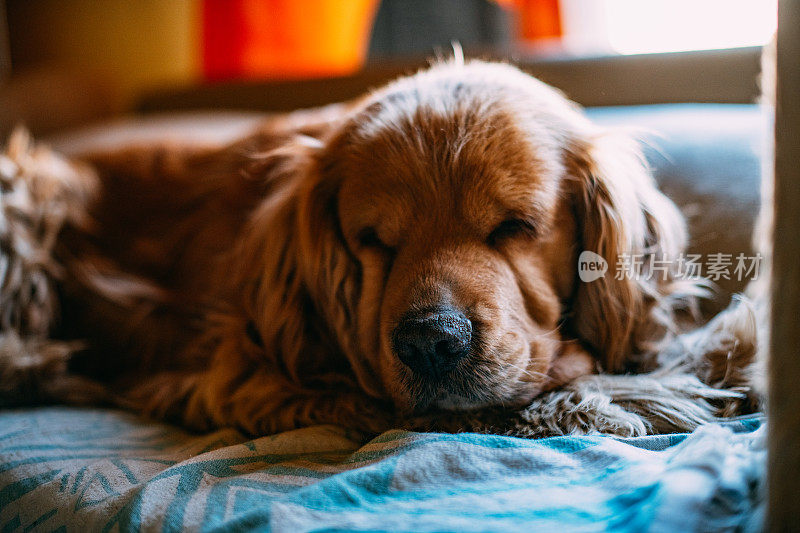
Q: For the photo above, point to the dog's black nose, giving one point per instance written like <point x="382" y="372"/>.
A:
<point x="432" y="342"/>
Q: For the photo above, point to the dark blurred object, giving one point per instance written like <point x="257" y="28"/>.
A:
<point x="413" y="28"/>
<point x="720" y="76"/>
<point x="5" y="52"/>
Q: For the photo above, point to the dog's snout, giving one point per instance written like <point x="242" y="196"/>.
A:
<point x="432" y="342"/>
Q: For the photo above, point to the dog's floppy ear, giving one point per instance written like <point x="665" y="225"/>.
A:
<point x="296" y="299"/>
<point x="629" y="223"/>
<point x="332" y="274"/>
<point x="268" y="276"/>
<point x="327" y="264"/>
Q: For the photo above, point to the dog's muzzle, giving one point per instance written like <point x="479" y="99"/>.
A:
<point x="432" y="342"/>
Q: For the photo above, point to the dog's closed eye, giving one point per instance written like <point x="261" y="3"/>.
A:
<point x="511" y="228"/>
<point x="368" y="238"/>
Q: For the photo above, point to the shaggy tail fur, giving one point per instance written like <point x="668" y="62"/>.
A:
<point x="40" y="192"/>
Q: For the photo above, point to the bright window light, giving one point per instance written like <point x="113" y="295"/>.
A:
<point x="647" y="26"/>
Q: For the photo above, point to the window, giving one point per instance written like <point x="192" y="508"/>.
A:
<point x="645" y="26"/>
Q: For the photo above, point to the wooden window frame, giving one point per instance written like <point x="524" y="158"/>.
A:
<point x="784" y="366"/>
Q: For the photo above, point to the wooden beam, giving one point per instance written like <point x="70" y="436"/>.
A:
<point x="784" y="397"/>
<point x="720" y="76"/>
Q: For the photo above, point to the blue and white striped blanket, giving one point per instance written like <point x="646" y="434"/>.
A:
<point x="66" y="469"/>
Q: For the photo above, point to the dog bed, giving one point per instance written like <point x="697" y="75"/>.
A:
<point x="67" y="469"/>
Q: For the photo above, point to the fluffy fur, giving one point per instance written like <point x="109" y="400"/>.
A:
<point x="258" y="285"/>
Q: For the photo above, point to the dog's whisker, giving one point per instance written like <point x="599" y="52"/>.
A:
<point x="530" y="373"/>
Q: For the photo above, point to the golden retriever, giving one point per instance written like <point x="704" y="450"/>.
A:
<point x="415" y="251"/>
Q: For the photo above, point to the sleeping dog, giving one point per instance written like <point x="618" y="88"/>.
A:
<point x="411" y="252"/>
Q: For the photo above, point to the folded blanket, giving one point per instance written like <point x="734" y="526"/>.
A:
<point x="68" y="469"/>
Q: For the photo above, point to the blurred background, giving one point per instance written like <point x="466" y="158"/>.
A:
<point x="66" y="63"/>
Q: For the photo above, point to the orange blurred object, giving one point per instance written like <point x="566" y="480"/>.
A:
<point x="285" y="38"/>
<point x="538" y="19"/>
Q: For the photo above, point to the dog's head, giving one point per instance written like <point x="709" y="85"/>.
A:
<point x="438" y="231"/>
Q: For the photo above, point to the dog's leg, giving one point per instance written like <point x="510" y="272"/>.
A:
<point x="260" y="404"/>
<point x="242" y="386"/>
<point x="267" y="403"/>
<point x="572" y="362"/>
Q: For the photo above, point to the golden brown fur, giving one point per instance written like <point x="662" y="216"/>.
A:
<point x="259" y="285"/>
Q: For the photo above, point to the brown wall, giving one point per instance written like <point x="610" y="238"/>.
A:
<point x="132" y="45"/>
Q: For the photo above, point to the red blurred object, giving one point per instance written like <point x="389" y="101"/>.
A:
<point x="223" y="38"/>
<point x="284" y="38"/>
